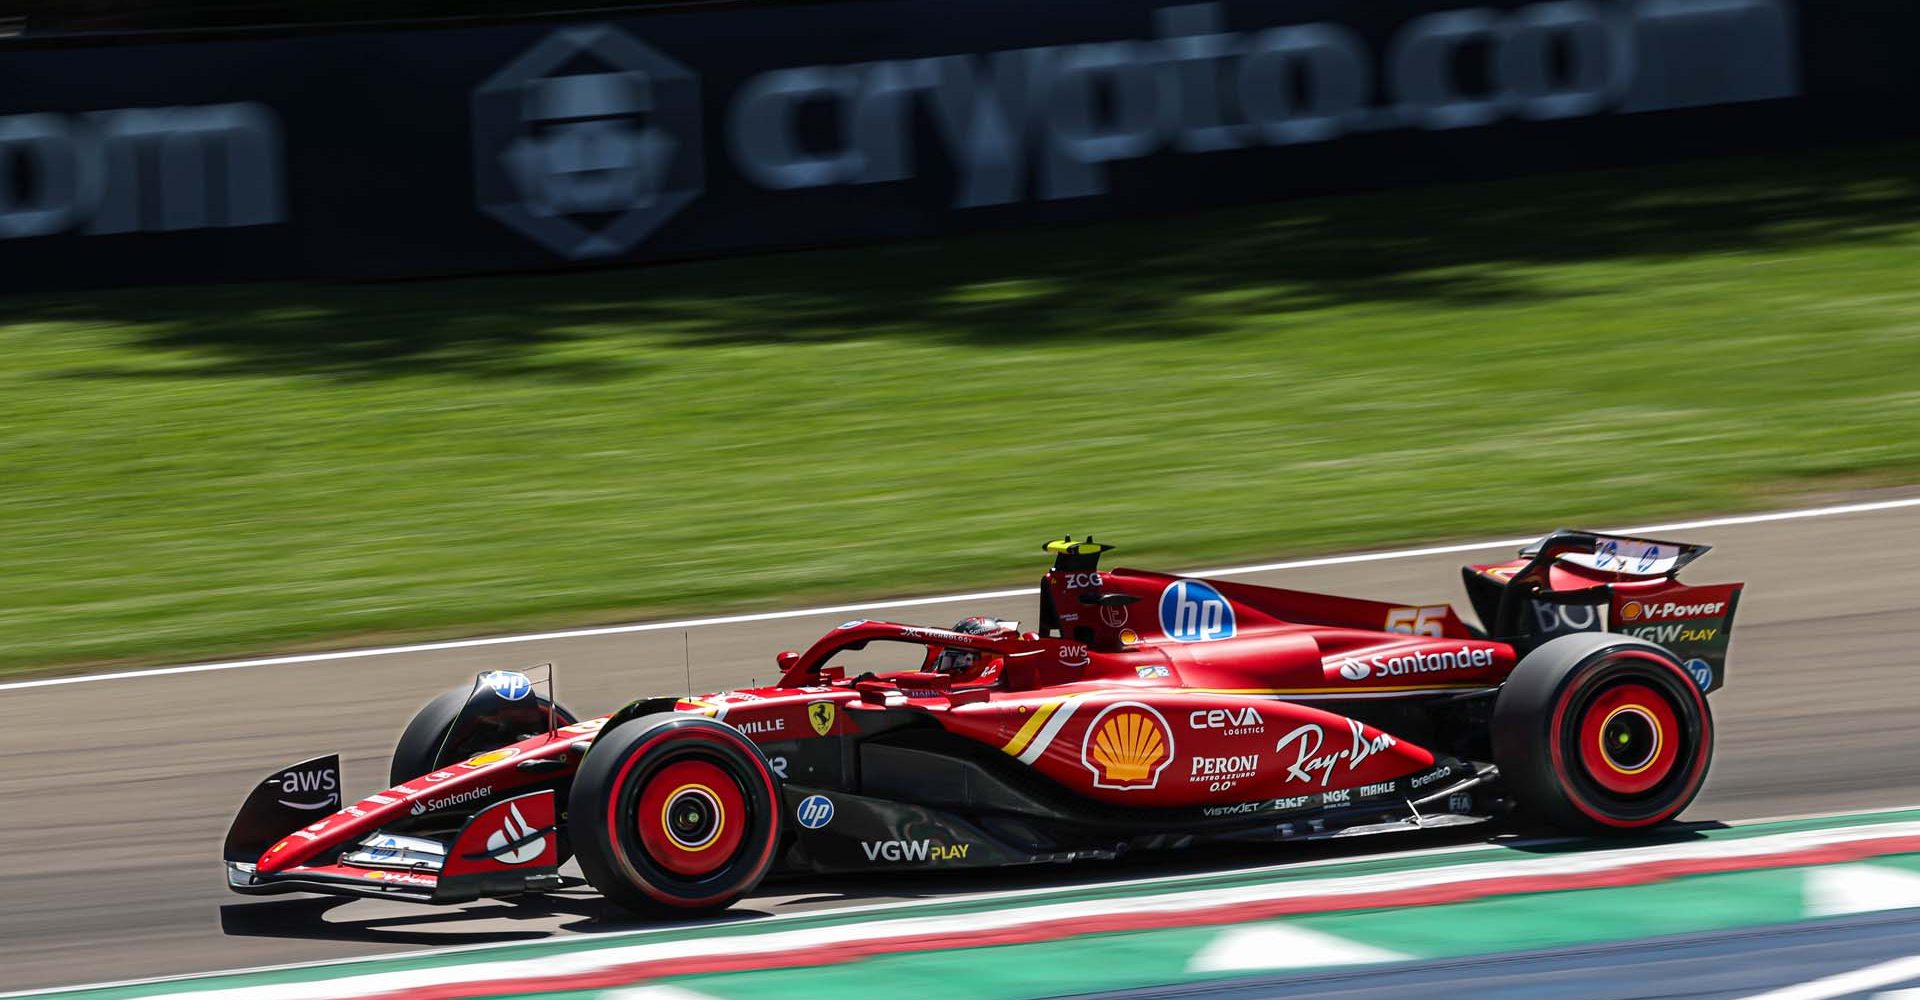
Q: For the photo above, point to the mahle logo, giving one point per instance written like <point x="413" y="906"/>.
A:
<point x="588" y="142"/>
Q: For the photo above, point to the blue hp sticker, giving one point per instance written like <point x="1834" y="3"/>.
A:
<point x="1191" y="611"/>
<point x="1701" y="673"/>
<point x="511" y="685"/>
<point x="815" y="812"/>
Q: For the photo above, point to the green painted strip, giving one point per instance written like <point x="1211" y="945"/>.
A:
<point x="1311" y="871"/>
<point x="1149" y="958"/>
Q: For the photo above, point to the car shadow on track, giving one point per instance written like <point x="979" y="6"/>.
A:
<point x="577" y="909"/>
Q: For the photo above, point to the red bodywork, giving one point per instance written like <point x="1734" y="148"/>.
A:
<point x="1150" y="691"/>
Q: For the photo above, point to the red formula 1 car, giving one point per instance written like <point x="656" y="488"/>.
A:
<point x="1148" y="711"/>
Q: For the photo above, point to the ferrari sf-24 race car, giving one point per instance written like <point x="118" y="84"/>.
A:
<point x="1148" y="711"/>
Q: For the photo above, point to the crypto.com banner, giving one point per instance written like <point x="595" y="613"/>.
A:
<point x="728" y="129"/>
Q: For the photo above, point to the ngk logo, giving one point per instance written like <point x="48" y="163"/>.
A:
<point x="1654" y="611"/>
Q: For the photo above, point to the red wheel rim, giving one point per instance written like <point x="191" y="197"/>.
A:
<point x="1629" y="739"/>
<point x="691" y="817"/>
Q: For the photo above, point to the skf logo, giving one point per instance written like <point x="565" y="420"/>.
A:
<point x="1127" y="746"/>
<point x="821" y="715"/>
<point x="591" y="161"/>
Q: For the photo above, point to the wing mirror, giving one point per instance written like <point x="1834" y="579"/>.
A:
<point x="786" y="658"/>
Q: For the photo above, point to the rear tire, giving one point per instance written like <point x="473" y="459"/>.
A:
<point x="674" y="815"/>
<point x="1602" y="733"/>
<point x="498" y="723"/>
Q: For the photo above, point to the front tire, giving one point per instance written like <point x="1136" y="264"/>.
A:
<point x="1601" y="733"/>
<point x="674" y="815"/>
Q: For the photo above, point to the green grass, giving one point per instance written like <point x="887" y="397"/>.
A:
<point x="195" y="472"/>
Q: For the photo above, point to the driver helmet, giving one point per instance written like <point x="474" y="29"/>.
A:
<point x="960" y="660"/>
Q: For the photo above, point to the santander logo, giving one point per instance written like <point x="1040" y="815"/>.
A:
<point x="514" y="827"/>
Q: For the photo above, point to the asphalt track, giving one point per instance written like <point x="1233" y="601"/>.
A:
<point x="1870" y="956"/>
<point x="117" y="793"/>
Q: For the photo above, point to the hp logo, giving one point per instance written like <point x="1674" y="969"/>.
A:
<point x="815" y="812"/>
<point x="1701" y="672"/>
<point x="1191" y="611"/>
<point x="511" y="685"/>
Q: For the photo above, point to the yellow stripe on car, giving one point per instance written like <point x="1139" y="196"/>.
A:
<point x="1018" y="744"/>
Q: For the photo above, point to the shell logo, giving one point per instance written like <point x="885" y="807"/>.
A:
<point x="1127" y="746"/>
<point x="490" y="757"/>
<point x="1630" y="610"/>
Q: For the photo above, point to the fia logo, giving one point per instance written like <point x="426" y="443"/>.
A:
<point x="1192" y="611"/>
<point x="514" y="827"/>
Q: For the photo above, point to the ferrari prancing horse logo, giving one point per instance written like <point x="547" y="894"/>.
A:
<point x="821" y="714"/>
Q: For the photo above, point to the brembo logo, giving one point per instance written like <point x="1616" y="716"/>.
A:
<point x="1663" y="611"/>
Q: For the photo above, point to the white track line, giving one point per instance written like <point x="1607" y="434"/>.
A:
<point x="1850" y="983"/>
<point x="984" y="595"/>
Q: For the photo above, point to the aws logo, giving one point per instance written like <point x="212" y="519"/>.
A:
<point x="1127" y="746"/>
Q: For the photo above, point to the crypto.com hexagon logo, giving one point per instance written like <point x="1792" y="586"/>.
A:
<point x="588" y="142"/>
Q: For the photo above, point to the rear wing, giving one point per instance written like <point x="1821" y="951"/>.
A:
<point x="1585" y="581"/>
<point x="1073" y="603"/>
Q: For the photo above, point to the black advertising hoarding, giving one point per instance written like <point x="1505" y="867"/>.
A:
<point x="707" y="131"/>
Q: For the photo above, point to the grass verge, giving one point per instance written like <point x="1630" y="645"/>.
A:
<point x="190" y="473"/>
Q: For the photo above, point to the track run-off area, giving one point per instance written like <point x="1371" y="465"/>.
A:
<point x="121" y="786"/>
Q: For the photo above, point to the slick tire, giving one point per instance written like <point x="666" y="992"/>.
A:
<point x="424" y="746"/>
<point x="1601" y="733"/>
<point x="674" y="815"/>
